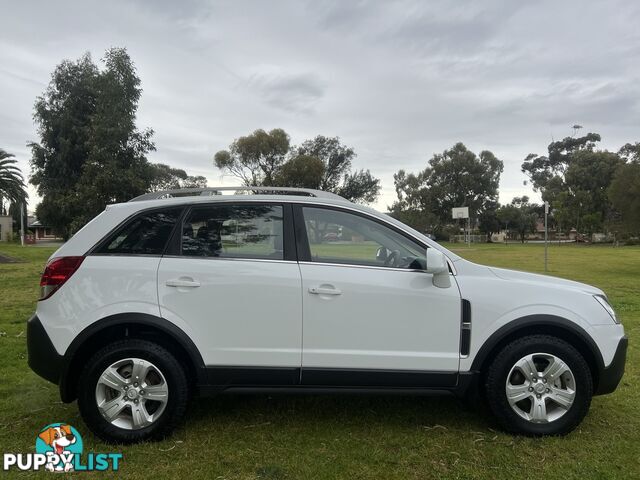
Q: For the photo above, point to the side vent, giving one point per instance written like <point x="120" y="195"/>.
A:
<point x="465" y="336"/>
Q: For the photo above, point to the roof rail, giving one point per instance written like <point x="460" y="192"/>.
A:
<point x="210" y="191"/>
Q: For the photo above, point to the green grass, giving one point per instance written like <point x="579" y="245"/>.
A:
<point x="306" y="437"/>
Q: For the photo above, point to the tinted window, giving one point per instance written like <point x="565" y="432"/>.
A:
<point x="147" y="234"/>
<point x="340" y="237"/>
<point x="234" y="231"/>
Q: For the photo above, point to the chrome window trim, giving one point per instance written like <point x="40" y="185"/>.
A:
<point x="371" y="267"/>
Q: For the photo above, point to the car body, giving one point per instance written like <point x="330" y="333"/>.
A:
<point x="246" y="293"/>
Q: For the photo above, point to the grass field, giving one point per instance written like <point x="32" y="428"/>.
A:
<point x="305" y="437"/>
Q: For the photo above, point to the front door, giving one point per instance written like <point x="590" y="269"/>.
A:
<point x="371" y="316"/>
<point x="235" y="288"/>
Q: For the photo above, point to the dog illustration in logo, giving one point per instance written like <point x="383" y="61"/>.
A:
<point x="59" y="438"/>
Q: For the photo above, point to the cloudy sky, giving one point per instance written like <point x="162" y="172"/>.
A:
<point x="397" y="81"/>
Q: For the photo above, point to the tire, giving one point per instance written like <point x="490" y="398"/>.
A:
<point x="161" y="374"/>
<point x="553" y="391"/>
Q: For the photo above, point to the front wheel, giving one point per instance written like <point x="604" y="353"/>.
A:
<point x="132" y="390"/>
<point x="539" y="385"/>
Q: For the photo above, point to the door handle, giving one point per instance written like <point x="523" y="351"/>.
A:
<point x="182" y="282"/>
<point x="324" y="291"/>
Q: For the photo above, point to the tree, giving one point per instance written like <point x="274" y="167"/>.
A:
<point x="488" y="221"/>
<point x="164" y="177"/>
<point x="266" y="159"/>
<point x="12" y="187"/>
<point x="335" y="157"/>
<point x="519" y="216"/>
<point x="336" y="175"/>
<point x="90" y="152"/>
<point x="457" y="177"/>
<point x="302" y="171"/>
<point x="63" y="116"/>
<point x="574" y="178"/>
<point x="197" y="181"/>
<point x="624" y="193"/>
<point x="256" y="158"/>
<point x="359" y="186"/>
<point x="630" y="152"/>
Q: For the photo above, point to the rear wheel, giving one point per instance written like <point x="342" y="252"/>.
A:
<point x="132" y="390"/>
<point x="539" y="385"/>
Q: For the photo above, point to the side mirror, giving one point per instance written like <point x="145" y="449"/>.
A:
<point x="437" y="265"/>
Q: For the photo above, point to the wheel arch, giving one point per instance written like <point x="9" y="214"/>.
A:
<point x="128" y="325"/>
<point x="542" y="324"/>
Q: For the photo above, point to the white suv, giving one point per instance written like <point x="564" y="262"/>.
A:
<point x="298" y="290"/>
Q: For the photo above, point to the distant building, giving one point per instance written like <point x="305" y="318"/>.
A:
<point x="40" y="231"/>
<point x="6" y="228"/>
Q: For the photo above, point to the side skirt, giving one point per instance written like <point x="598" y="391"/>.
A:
<point x="287" y="380"/>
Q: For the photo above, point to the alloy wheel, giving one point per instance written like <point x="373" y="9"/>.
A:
<point x="132" y="393"/>
<point x="540" y="388"/>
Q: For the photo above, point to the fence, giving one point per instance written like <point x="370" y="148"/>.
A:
<point x="472" y="238"/>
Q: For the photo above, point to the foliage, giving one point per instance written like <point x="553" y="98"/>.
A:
<point x="165" y="177"/>
<point x="12" y="187"/>
<point x="323" y="163"/>
<point x="302" y="171"/>
<point x="624" y="193"/>
<point x="574" y="178"/>
<point x="455" y="178"/>
<point x="90" y="152"/>
<point x="256" y="158"/>
<point x="519" y="216"/>
<point x="488" y="221"/>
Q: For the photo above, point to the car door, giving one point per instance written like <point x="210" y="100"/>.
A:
<point x="235" y="286"/>
<point x="371" y="315"/>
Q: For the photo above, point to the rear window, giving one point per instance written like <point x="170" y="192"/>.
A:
<point x="234" y="231"/>
<point x="146" y="234"/>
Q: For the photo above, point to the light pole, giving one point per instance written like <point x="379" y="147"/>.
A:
<point x="22" y="209"/>
<point x="546" y="236"/>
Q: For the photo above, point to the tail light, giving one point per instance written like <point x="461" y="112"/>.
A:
<point x="57" y="271"/>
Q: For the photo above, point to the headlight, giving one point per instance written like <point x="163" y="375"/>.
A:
<point x="602" y="300"/>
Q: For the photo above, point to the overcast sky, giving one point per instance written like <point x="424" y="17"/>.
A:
<point x="397" y="81"/>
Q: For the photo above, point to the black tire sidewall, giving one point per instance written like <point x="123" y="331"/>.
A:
<point x="504" y="362"/>
<point x="158" y="356"/>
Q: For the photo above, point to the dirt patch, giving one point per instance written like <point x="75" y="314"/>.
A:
<point x="5" y="259"/>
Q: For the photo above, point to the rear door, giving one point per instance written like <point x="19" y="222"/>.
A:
<point x="235" y="285"/>
<point x="372" y="316"/>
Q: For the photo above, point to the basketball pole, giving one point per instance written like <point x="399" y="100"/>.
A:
<point x="468" y="232"/>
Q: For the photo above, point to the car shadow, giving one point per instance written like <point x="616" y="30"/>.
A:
<point x="343" y="409"/>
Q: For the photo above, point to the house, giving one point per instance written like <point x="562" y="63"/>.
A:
<point x="39" y="230"/>
<point x="6" y="228"/>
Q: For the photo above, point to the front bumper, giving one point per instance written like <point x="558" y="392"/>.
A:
<point x="43" y="357"/>
<point x="610" y="377"/>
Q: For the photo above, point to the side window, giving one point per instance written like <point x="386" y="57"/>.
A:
<point x="234" y="231"/>
<point x="339" y="237"/>
<point x="146" y="234"/>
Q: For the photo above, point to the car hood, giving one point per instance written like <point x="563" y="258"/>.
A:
<point x="525" y="277"/>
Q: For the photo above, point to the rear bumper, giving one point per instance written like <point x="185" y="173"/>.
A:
<point x="43" y="357"/>
<point x="610" y="376"/>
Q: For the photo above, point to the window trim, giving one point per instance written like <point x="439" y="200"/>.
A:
<point x="288" y="238"/>
<point x="94" y="251"/>
<point x="304" y="249"/>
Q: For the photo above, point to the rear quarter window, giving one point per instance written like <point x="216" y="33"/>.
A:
<point x="145" y="234"/>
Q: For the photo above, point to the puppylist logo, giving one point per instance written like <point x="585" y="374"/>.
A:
<point x="59" y="449"/>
